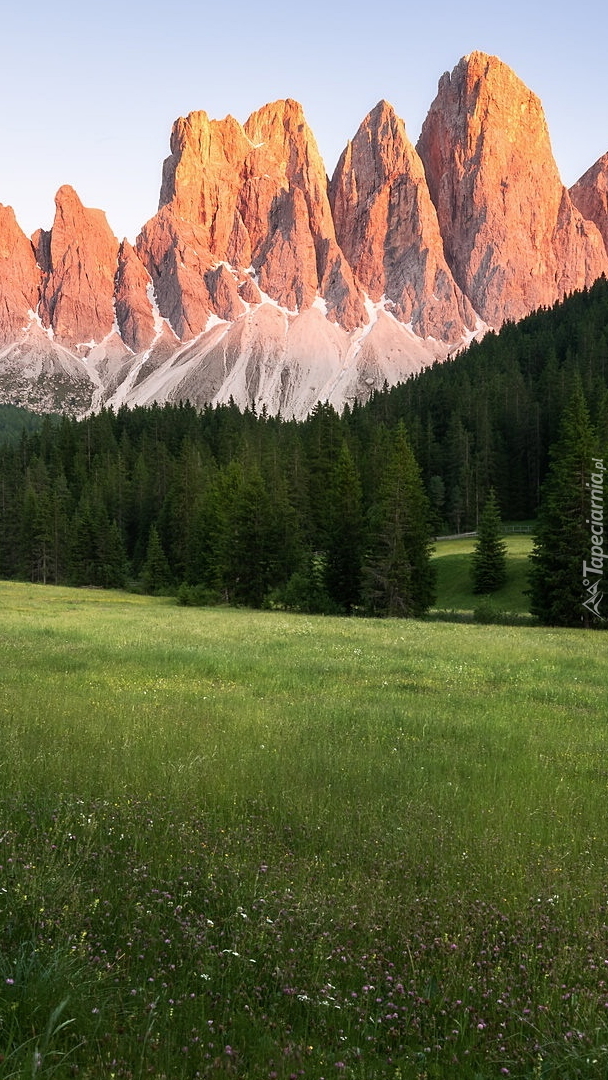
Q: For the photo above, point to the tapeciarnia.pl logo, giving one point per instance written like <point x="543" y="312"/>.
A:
<point x="593" y="571"/>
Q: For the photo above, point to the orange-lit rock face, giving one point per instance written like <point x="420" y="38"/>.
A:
<point x="258" y="195"/>
<point x="175" y="255"/>
<point x="19" y="278"/>
<point x="387" y="226"/>
<point x="590" y="196"/>
<point x="202" y="179"/>
<point x="512" y="237"/>
<point x="134" y="313"/>
<point x="78" y="293"/>
<point x="384" y="270"/>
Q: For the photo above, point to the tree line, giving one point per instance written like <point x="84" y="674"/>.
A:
<point x="489" y="417"/>
<point x="223" y="506"/>
<point x="333" y="513"/>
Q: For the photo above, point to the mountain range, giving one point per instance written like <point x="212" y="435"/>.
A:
<point x="262" y="280"/>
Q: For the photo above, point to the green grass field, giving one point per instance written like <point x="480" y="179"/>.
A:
<point x="453" y="561"/>
<point x="257" y="845"/>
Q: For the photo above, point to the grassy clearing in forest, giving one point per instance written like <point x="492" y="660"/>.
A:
<point x="257" y="845"/>
<point x="454" y="587"/>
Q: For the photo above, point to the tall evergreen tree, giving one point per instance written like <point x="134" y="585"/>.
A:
<point x="113" y="565"/>
<point x="250" y="543"/>
<point x="36" y="536"/>
<point x="345" y="540"/>
<point x="489" y="561"/>
<point x="562" y="541"/>
<point x="399" y="577"/>
<point x="82" y="560"/>
<point x="60" y="510"/>
<point x="156" y="574"/>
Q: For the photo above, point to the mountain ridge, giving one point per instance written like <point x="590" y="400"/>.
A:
<point x="262" y="280"/>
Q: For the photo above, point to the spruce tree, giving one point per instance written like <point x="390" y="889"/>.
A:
<point x="36" y="536"/>
<point x="345" y="539"/>
<point x="399" y="577"/>
<point x="82" y="557"/>
<point x="489" y="562"/>
<point x="156" y="575"/>
<point x="113" y="568"/>
<point x="562" y="541"/>
<point x="252" y="541"/>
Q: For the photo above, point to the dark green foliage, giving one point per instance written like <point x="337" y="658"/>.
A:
<point x="195" y="596"/>
<point x="250" y="549"/>
<point x="15" y="422"/>
<point x="488" y="417"/>
<point x="324" y="515"/>
<point x="36" y="533"/>
<point x="82" y="566"/>
<point x="436" y="491"/>
<point x="489" y="561"/>
<point x="398" y="573"/>
<point x="306" y="590"/>
<point x="345" y="534"/>
<point x="156" y="575"/>
<point x="112" y="556"/>
<point x="562" y="538"/>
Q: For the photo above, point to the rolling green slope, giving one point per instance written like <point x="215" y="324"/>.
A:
<point x="454" y="586"/>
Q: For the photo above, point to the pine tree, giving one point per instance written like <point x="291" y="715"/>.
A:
<point x="489" y="562"/>
<point x="113" y="565"/>
<point x="345" y="540"/>
<point x="60" y="528"/>
<point x="82" y="558"/>
<point x="399" y="577"/>
<point x="562" y="541"/>
<point x="156" y="575"/>
<point x="323" y="439"/>
<point x="36" y="535"/>
<point x="11" y="505"/>
<point x="253" y="542"/>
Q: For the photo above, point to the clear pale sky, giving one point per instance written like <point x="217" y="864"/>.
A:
<point x="90" y="90"/>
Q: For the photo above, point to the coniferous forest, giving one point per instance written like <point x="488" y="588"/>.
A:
<point x="334" y="513"/>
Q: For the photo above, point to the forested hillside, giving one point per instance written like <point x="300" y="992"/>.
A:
<point x="488" y="417"/>
<point x="14" y="421"/>
<point x="332" y="513"/>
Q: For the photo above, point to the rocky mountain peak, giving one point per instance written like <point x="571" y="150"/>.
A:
<point x="255" y="198"/>
<point x="590" y="195"/>
<point x="20" y="278"/>
<point x="260" y="280"/>
<point x="77" y="299"/>
<point x="512" y="237"/>
<point x="387" y="226"/>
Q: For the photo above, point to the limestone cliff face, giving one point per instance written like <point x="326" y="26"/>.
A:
<point x="590" y="195"/>
<point x="19" y="278"/>
<point x="254" y="197"/>
<point x="134" y="313"/>
<point x="387" y="226"/>
<point x="512" y="237"/>
<point x="78" y="292"/>
<point x="202" y="179"/>
<point x="296" y="206"/>
<point x="260" y="281"/>
<point x="175" y="254"/>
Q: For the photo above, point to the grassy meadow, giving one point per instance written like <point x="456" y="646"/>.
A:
<point x="258" y="845"/>
<point x="453" y="562"/>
